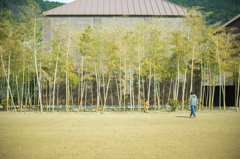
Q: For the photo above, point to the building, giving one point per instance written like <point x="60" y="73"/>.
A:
<point x="230" y="85"/>
<point x="233" y="23"/>
<point x="82" y="13"/>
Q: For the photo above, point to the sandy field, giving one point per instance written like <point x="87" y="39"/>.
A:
<point x="29" y="135"/>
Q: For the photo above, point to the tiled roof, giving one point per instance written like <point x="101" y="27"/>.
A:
<point x="119" y="7"/>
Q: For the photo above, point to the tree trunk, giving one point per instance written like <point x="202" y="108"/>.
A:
<point x="183" y="87"/>
<point x="55" y="78"/>
<point x="169" y="93"/>
<point x="105" y="99"/>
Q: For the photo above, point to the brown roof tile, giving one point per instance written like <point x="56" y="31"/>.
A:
<point x="143" y="7"/>
<point x="174" y="10"/>
<point x="119" y="7"/>
<point x="155" y="7"/>
<point x="94" y="7"/>
<point x="137" y="9"/>
<point x="76" y="7"/>
<point x="106" y="7"/>
<point x="167" y="8"/>
<point x="100" y="5"/>
<point x="125" y="7"/>
<point x="113" y="7"/>
<point x="149" y="7"/>
<point x="161" y="8"/>
<point x="82" y="7"/>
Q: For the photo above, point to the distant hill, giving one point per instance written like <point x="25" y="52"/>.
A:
<point x="223" y="10"/>
<point x="14" y="5"/>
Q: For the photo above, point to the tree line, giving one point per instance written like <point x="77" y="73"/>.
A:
<point x="222" y="11"/>
<point x="137" y="58"/>
<point x="44" y="5"/>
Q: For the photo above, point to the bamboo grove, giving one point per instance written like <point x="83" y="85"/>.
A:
<point x="135" y="58"/>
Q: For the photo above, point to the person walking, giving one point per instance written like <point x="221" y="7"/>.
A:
<point x="193" y="101"/>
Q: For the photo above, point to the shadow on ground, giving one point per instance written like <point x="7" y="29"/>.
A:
<point x="182" y="116"/>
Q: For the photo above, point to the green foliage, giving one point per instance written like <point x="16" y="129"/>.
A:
<point x="222" y="10"/>
<point x="6" y="15"/>
<point x="44" y="5"/>
<point x="73" y="79"/>
<point x="4" y="102"/>
<point x="173" y="104"/>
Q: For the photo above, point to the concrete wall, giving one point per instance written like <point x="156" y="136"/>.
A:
<point x="79" y="22"/>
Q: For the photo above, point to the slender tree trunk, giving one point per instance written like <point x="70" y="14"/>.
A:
<point x="105" y="99"/>
<point x="130" y="86"/>
<point x="17" y="92"/>
<point x="192" y="71"/>
<point x="158" y="95"/>
<point x="118" y="93"/>
<point x="133" y="92"/>
<point x="149" y="82"/>
<point x="7" y="79"/>
<point x="224" y="92"/>
<point x="220" y="77"/>
<point x="86" y="94"/>
<point x="164" y="92"/>
<point x="125" y="83"/>
<point x="111" y="94"/>
<point x="50" y="94"/>
<point x="120" y="87"/>
<point x="237" y="99"/>
<point x="67" y="73"/>
<point x="92" y="93"/>
<point x="199" y="104"/>
<point x="183" y="87"/>
<point x="34" y="92"/>
<point x="82" y="87"/>
<point x="55" y="78"/>
<point x="97" y="87"/>
<point x="224" y="83"/>
<point x="139" y="79"/>
<point x="79" y="84"/>
<point x="178" y="81"/>
<point x="20" y="107"/>
<point x="143" y="93"/>
<point x="29" y="92"/>
<point x="155" y="105"/>
<point x="35" y="57"/>
<point x="58" y="81"/>
<point x="169" y="93"/>
<point x="139" y="88"/>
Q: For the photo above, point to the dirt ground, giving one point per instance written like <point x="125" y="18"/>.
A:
<point x="29" y="135"/>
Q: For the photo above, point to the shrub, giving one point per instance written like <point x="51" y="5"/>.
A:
<point x="186" y="104"/>
<point x="4" y="103"/>
<point x="173" y="104"/>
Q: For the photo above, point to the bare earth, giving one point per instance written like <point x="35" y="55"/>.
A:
<point x="213" y="135"/>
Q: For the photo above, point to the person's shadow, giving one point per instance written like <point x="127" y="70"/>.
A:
<point x="182" y="116"/>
